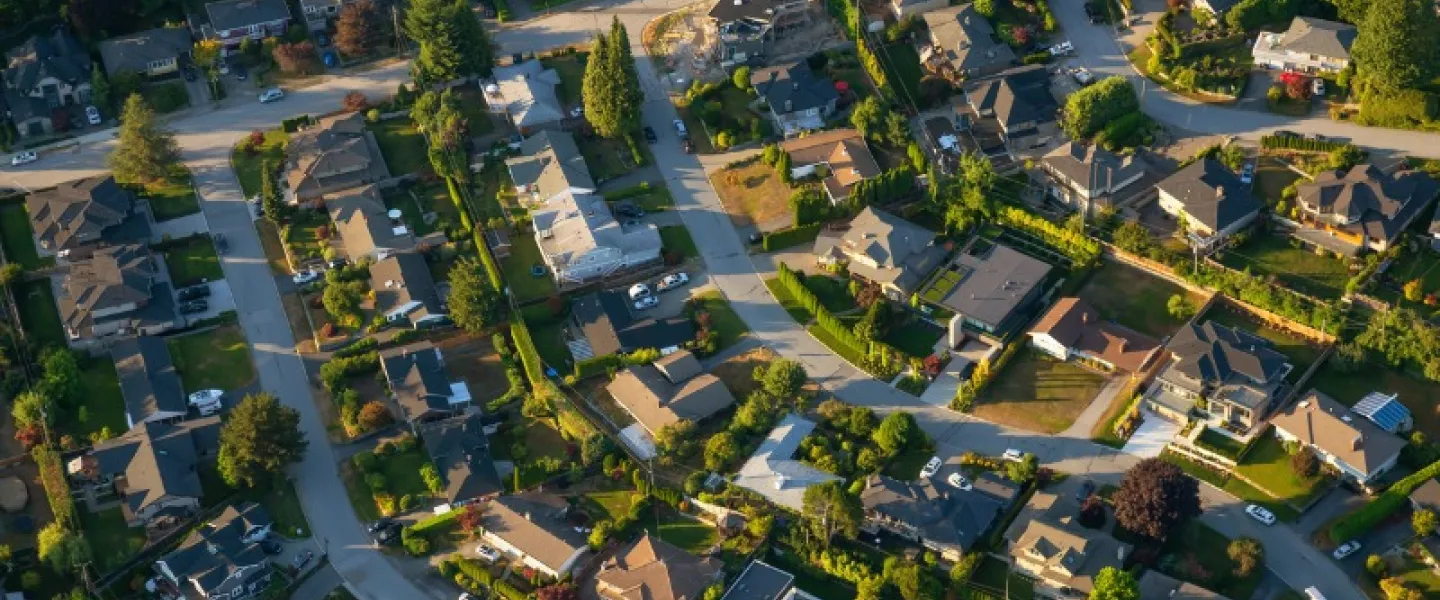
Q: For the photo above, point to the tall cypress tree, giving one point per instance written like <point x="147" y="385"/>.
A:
<point x="628" y="97"/>
<point x="599" y="89"/>
<point x="475" y="47"/>
<point x="432" y="24"/>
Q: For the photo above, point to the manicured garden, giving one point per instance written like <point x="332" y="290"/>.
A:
<point x="1268" y="465"/>
<point x="1135" y="299"/>
<point x="1300" y="269"/>
<point x="833" y="292"/>
<point x="1036" y="392"/>
<point x="723" y="320"/>
<point x="1235" y="487"/>
<point x="192" y="261"/>
<point x="218" y="359"/>
<point x="248" y="164"/>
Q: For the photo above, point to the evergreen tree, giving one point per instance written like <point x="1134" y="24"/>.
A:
<point x="630" y="96"/>
<point x="432" y="25"/>
<point x="100" y="89"/>
<point x="144" y="151"/>
<point x="598" y="90"/>
<point x="270" y="198"/>
<point x="260" y="438"/>
<point x="1395" y="46"/>
<point x="475" y="48"/>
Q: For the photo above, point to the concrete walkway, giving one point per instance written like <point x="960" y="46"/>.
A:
<point x="1092" y="414"/>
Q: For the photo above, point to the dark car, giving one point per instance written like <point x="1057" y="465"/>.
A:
<point x="189" y="74"/>
<point x="239" y="71"/>
<point x="387" y="535"/>
<point x="650" y="135"/>
<point x="626" y="209"/>
<point x="338" y="263"/>
<point x="221" y="245"/>
<point x="321" y="39"/>
<point x="1086" y="488"/>
<point x="757" y="237"/>
<point x="271" y="547"/>
<point x="194" y="306"/>
<point x="194" y="292"/>
<point x="383" y="523"/>
<point x="1285" y="133"/>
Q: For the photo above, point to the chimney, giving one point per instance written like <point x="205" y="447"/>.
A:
<point x="1219" y="192"/>
<point x="1357" y="442"/>
<point x="788" y="105"/>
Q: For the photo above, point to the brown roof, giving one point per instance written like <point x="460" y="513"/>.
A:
<point x="1159" y="586"/>
<point x="535" y="523"/>
<point x="1320" y="421"/>
<point x="654" y="570"/>
<point x="843" y="150"/>
<point x="333" y="145"/>
<point x="679" y="366"/>
<point x="364" y="224"/>
<point x="1069" y="554"/>
<point x="1077" y="325"/>
<point x="656" y="401"/>
<point x="1427" y="495"/>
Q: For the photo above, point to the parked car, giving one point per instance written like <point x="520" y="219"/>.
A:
<point x="1086" y="488"/>
<point x="629" y="209"/>
<point x="687" y="146"/>
<point x="206" y="401"/>
<point x="1346" y="549"/>
<point x="1317" y="87"/>
<point x="960" y="482"/>
<point x="386" y="535"/>
<point x="194" y="306"/>
<point x="1259" y="513"/>
<point x="239" y="70"/>
<point x="931" y="467"/>
<point x="1062" y="49"/>
<point x="189" y="74"/>
<point x="337" y="263"/>
<point x="647" y="303"/>
<point x="1247" y="174"/>
<point x="271" y="95"/>
<point x="680" y="128"/>
<point x="92" y="114"/>
<point x="194" y="292"/>
<point x="382" y="523"/>
<point x="1013" y="455"/>
<point x="672" y="281"/>
<point x="271" y="547"/>
<point x="650" y="134"/>
<point x="757" y="238"/>
<point x="304" y="277"/>
<point x="221" y="246"/>
<point x="331" y="61"/>
<point x="1284" y="133"/>
<point x="1082" y="76"/>
<point x="23" y="158"/>
<point x="1093" y="12"/>
<point x="487" y="553"/>
<point x="639" y="291"/>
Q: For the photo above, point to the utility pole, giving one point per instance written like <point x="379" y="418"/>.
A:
<point x="399" y="34"/>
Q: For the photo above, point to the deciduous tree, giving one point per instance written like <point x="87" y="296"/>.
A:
<point x="62" y="548"/>
<point x="357" y="31"/>
<point x="720" y="449"/>
<point x="831" y="510"/>
<point x="782" y="378"/>
<point x="1423" y="521"/>
<point x="260" y="438"/>
<point x="1247" y="554"/>
<point x="896" y="432"/>
<point x="1304" y="463"/>
<point x="474" y="304"/>
<point x="1155" y="498"/>
<point x="1114" y="584"/>
<point x="1090" y="109"/>
<point x="145" y="151"/>
<point x="298" y="58"/>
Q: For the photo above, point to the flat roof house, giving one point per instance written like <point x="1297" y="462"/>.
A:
<point x="81" y="212"/>
<point x="1238" y="374"/>
<point x="1155" y="585"/>
<point x="405" y="291"/>
<point x="549" y="164"/>
<point x="772" y="470"/>
<point x="534" y="528"/>
<point x="963" y="44"/>
<point x="221" y="559"/>
<point x="1064" y="557"/>
<point x="148" y="381"/>
<point x="460" y="449"/>
<point x="153" y="52"/>
<point x="1356" y="447"/>
<point x="1310" y="45"/>
<point x="525" y="93"/>
<point x="656" y="570"/>
<point x="333" y="154"/>
<point x="581" y="241"/>
<point x="1016" y="105"/>
<point x="156" y="468"/>
<point x="44" y="73"/>
<point x="843" y="153"/>
<point x="989" y="291"/>
<point x="1088" y="178"/>
<point x="604" y="322"/>
<point x="884" y="249"/>
<point x="942" y="518"/>
<point x="231" y="21"/>
<point x="800" y="100"/>
<point x="1365" y="207"/>
<point x="673" y="389"/>
<point x="1211" y="199"/>
<point x="421" y="385"/>
<point x="1073" y="329"/>
<point x="116" y="290"/>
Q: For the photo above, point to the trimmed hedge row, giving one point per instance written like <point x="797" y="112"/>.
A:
<point x="362" y="346"/>
<point x="790" y="236"/>
<point x="1081" y="249"/>
<point x="1361" y="521"/>
<point x="1291" y="142"/>
<point x="437" y="522"/>
<point x="529" y="356"/>
<point x="630" y="192"/>
<point x="492" y="270"/>
<point x="57" y="489"/>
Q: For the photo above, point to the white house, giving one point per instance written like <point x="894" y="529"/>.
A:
<point x="580" y="240"/>
<point x="1073" y="329"/>
<point x="1358" y="448"/>
<point x="1212" y="201"/>
<point x="1309" y="45"/>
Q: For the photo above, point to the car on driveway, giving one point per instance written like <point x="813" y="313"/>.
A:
<point x="239" y="71"/>
<point x="672" y="281"/>
<point x="487" y="553"/>
<point x="382" y="523"/>
<point x="1013" y="455"/>
<point x="194" y="306"/>
<point x="271" y="547"/>
<point x="206" y="401"/>
<point x="194" y="292"/>
<point x="1346" y="549"/>
<point x="23" y="158"/>
<point x="272" y="95"/>
<point x="304" y="277"/>
<point x="650" y="134"/>
<point x="959" y="481"/>
<point x="1082" y="76"/>
<point x="639" y="291"/>
<point x="92" y="114"/>
<point x="189" y="73"/>
<point x="629" y="209"/>
<point x="1317" y="87"/>
<point x="931" y="467"/>
<point x="1247" y="174"/>
<point x="1260" y="513"/>
<point x="647" y="303"/>
<point x="387" y="535"/>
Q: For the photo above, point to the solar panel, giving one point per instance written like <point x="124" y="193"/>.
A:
<point x="1385" y="411"/>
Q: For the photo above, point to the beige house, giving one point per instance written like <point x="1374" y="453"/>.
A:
<point x="1064" y="558"/>
<point x="671" y="390"/>
<point x="883" y="249"/>
<point x="533" y="528"/>
<point x="1087" y="178"/>
<point x="840" y="156"/>
<point x="365" y="226"/>
<point x="1310" y="45"/>
<point x="652" y="569"/>
<point x="1359" y="449"/>
<point x="334" y="154"/>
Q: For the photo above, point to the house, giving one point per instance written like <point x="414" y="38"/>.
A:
<point x="762" y="581"/>
<point x="963" y="45"/>
<point x="1310" y="45"/>
<point x="156" y="466"/>
<point x="772" y="470"/>
<point x="334" y="154"/>
<point x="153" y="53"/>
<point x="365" y="226"/>
<point x="1236" y="374"/>
<point x="1359" y="449"/>
<point x="1216" y="7"/>
<point x="1211" y="200"/>
<point x="222" y="559"/>
<point x="1088" y="178"/>
<point x="946" y="520"/>
<point x="1363" y="208"/>
<point x="799" y="99"/>
<point x="883" y="249"/>
<point x="525" y="93"/>
<point x="420" y="384"/>
<point x="232" y="21"/>
<point x="80" y="212"/>
<point x="1427" y="495"/>
<point x="42" y="74"/>
<point x="460" y="449"/>
<point x="581" y="241"/>
<point x="744" y="27"/>
<point x="1073" y="329"/>
<point x="117" y="289"/>
<point x="1064" y="558"/>
<point x="318" y="13"/>
<point x="1155" y="585"/>
<point x="606" y="326"/>
<point x="671" y="390"/>
<point x="843" y="154"/>
<point x="550" y="164"/>
<point x="989" y="291"/>
<point x="656" y="570"/>
<point x="405" y="291"/>
<point x="1015" y="106"/>
<point x="148" y="381"/>
<point x="1386" y="412"/>
<point x="534" y="529"/>
<point x="909" y="8"/>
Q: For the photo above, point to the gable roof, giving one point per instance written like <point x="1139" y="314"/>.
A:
<point x="581" y="223"/>
<point x="793" y="87"/>
<point x="402" y="282"/>
<point x="950" y="517"/>
<point x="725" y="11"/>
<point x="991" y="286"/>
<point x="135" y="52"/>
<point x="1092" y="167"/>
<point x="550" y="163"/>
<point x="332" y="145"/>
<point x="772" y="470"/>
<point x="148" y="381"/>
<point x="78" y="211"/>
<point x="1375" y="204"/>
<point x="1018" y="96"/>
<point x="57" y="55"/>
<point x="1212" y="194"/>
<point x="1320" y="421"/>
<point x="535" y="523"/>
<point x="889" y="249"/>
<point x="159" y="460"/>
<point x="419" y="381"/>
<point x="1386" y="412"/>
<point x="609" y="327"/>
<point x="1155" y="585"/>
<point x="1308" y="35"/>
<point x="656" y="400"/>
<point x="1078" y="326"/>
<point x="1427" y="494"/>
<point x="234" y="14"/>
<point x="759" y="581"/>
<point x="843" y="150"/>
<point x="215" y="557"/>
<point x="1067" y="553"/>
<point x="461" y="452"/>
<point x="651" y="569"/>
<point x="364" y="223"/>
<point x="112" y="277"/>
<point x="965" y="38"/>
<point x="1211" y="353"/>
<point x="527" y="91"/>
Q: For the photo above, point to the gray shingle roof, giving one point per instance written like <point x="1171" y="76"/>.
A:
<point x="135" y="52"/>
<point x="78" y="211"/>
<point x="1018" y="96"/>
<point x="148" y="380"/>
<point x="160" y="460"/>
<point x="419" y="380"/>
<point x="992" y="286"/>
<point x="948" y="517"/>
<point x="1375" y="203"/>
<point x="550" y="163"/>
<point x="333" y="146"/>
<point x="114" y="276"/>
<point x="1211" y="352"/>
<point x="57" y="55"/>
<point x="609" y="327"/>
<point x="364" y="223"/>
<point x="966" y="40"/>
<point x="580" y="224"/>
<point x="234" y="14"/>
<point x="793" y="87"/>
<point x="536" y="524"/>
<point x="461" y="452"/>
<point x="215" y="557"/>
<point x="527" y="90"/>
<point x="1093" y="167"/>
<point x="903" y="252"/>
<point x="1309" y="35"/>
<point x="403" y="280"/>
<point x="1212" y="193"/>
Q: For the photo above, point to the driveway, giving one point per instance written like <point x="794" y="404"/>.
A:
<point x="221" y="299"/>
<point x="1151" y="437"/>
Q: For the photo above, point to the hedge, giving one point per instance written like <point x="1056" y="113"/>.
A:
<point x="294" y="124"/>
<point x="356" y="349"/>
<point x="334" y="373"/>
<point x="1291" y="142"/>
<point x="791" y="236"/>
<point x="492" y="270"/>
<point x="529" y="356"/>
<point x="630" y="192"/>
<point x="57" y="489"/>
<point x="1367" y="517"/>
<point x="1081" y="249"/>
<point x="437" y="522"/>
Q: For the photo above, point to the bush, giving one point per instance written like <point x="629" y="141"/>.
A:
<point x="416" y="545"/>
<point x="363" y="346"/>
<point x="334" y="373"/>
<point x="1037" y="58"/>
<point x="437" y="523"/>
<point x="1367" y="517"/>
<point x="168" y="97"/>
<point x="409" y="502"/>
<point x="793" y="236"/>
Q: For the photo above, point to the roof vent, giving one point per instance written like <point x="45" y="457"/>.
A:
<point x="1304" y="404"/>
<point x="1345" y="418"/>
<point x="390" y="283"/>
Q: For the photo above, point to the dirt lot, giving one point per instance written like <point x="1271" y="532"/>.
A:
<point x="738" y="373"/>
<point x="753" y="195"/>
<point x="474" y="359"/>
<point x="37" y="508"/>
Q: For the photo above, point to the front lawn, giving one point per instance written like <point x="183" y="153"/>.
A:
<point x="1198" y="555"/>
<point x="916" y="338"/>
<point x="17" y="237"/>
<point x="1038" y="393"/>
<point x="1135" y="299"/>
<point x="607" y="158"/>
<point x="752" y="194"/>
<point x="571" y="69"/>
<point x="1268" y="465"/>
<point x="1271" y="179"/>
<point x="1232" y="485"/>
<point x="519" y="277"/>
<point x="248" y="166"/>
<point x="38" y="313"/>
<point x="171" y="198"/>
<point x="1218" y="443"/>
<point x="218" y="358"/>
<point x="723" y="320"/>
<point x="1302" y="353"/>
<point x="1296" y="268"/>
<point x="403" y="146"/>
<point x="192" y="261"/>
<point x="676" y="238"/>
<point x="693" y="536"/>
<point x="103" y="407"/>
<point x="1415" y="392"/>
<point x="112" y="542"/>
<point x="281" y="501"/>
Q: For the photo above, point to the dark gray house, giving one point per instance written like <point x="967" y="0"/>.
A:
<point x="1211" y="200"/>
<point x="156" y="467"/>
<point x="1235" y="373"/>
<point x="799" y="99"/>
<point x="45" y="73"/>
<point x="148" y="381"/>
<point x="942" y="517"/>
<point x="83" y="211"/>
<point x="221" y="560"/>
<point x="405" y="291"/>
<point x="421" y="385"/>
<point x="153" y="53"/>
<point x="460" y="449"/>
<point x="605" y="323"/>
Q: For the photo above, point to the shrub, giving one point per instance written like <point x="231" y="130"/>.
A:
<point x="417" y="546"/>
<point x="409" y="502"/>
<point x="792" y="236"/>
<point x="431" y="475"/>
<point x="354" y="102"/>
<point x="374" y="415"/>
<point x="1367" y="517"/>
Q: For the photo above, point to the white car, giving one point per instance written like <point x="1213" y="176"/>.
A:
<point x="271" y="95"/>
<point x="1259" y="513"/>
<point x="647" y="303"/>
<point x="639" y="291"/>
<point x="207" y="401"/>
<point x="960" y="482"/>
<point x="930" y="468"/>
<point x="672" y="281"/>
<point x="680" y="128"/>
<point x="23" y="158"/>
<point x="1013" y="455"/>
<point x="1346" y="549"/>
<point x="304" y="277"/>
<point x="577" y="112"/>
<point x="487" y="553"/>
<point x="92" y="115"/>
<point x="1062" y="49"/>
<point x="1082" y="76"/>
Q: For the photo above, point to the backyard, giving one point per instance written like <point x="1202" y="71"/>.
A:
<point x="1135" y="299"/>
<point x="1036" y="392"/>
<point x="192" y="260"/>
<point x="690" y="535"/>
<point x="1268" y="465"/>
<point x="218" y="359"/>
<point x="112" y="542"/>
<point x="832" y="292"/>
<point x="723" y="320"/>
<point x="248" y="165"/>
<point x="38" y="313"/>
<point x="1271" y="179"/>
<point x="916" y="337"/>
<point x="1414" y="391"/>
<point x="902" y="67"/>
<point x="520" y="275"/>
<point x="102" y="405"/>
<point x="17" y="237"/>
<point x="571" y="69"/>
<point x="1302" y="270"/>
<point x="1423" y="265"/>
<point x="414" y="202"/>
<point x="1301" y="352"/>
<point x="402" y="145"/>
<point x="753" y="194"/>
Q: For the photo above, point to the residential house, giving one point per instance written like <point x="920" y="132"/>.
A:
<point x="1216" y="7"/>
<point x="963" y="45"/>
<point x="744" y="27"/>
<point x="233" y="21"/>
<point x="1310" y="45"/>
<point x="1042" y="506"/>
<point x="883" y="249"/>
<point x="534" y="528"/>
<point x="549" y="164"/>
<point x="910" y="8"/>
<point x="772" y="470"/>
<point x="525" y="93"/>
<point x="799" y="99"/>
<point x="460" y="448"/>
<point x="989" y="290"/>
<point x="84" y="212"/>
<point x="763" y="581"/>
<point x="153" y="53"/>
<point x="1426" y="496"/>
<point x="365" y="226"/>
<point x="334" y="154"/>
<point x="659" y="395"/>
<point x="1386" y="412"/>
<point x="1073" y="329"/>
<point x="148" y="381"/>
<point x="604" y="325"/>
<point x="656" y="570"/>
<point x="1064" y="558"/>
<point x="222" y="559"/>
<point x="1015" y="107"/>
<point x="1155" y="585"/>
<point x="420" y="384"/>
<point x="581" y="241"/>
<point x="1230" y="375"/>
<point x="1088" y="178"/>
<point x="405" y="291"/>
<point x="117" y="289"/>
<point x="1212" y="201"/>
<point x="318" y="13"/>
<point x="942" y="518"/>
<point x="45" y="73"/>
<point x="1359" y="449"/>
<point x="840" y="157"/>
<point x="1363" y="208"/>
<point x="156" y="468"/>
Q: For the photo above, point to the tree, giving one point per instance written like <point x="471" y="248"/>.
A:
<point x="627" y="84"/>
<point x="1396" y="588"/>
<point x="476" y="54"/>
<point x="354" y="102"/>
<point x="298" y="58"/>
<point x="1413" y="290"/>
<point x="672" y="439"/>
<point x="432" y="24"/>
<point x="986" y="8"/>
<point x="1114" y="584"/>
<point x="271" y="201"/>
<point x="94" y="18"/>
<point x="259" y="440"/>
<point x="1180" y="308"/>
<point x="470" y="519"/>
<point x="611" y="86"/>
<point x="1092" y="512"/>
<point x="358" y="28"/>
<point x="720" y="449"/>
<point x="831" y="510"/>
<point x="100" y="90"/>
<point x="782" y="378"/>
<point x="374" y="415"/>
<point x="1304" y="463"/>
<point x="144" y="150"/>
<point x="965" y="568"/>
<point x="1090" y="109"/>
<point x="1345" y="157"/>
<point x="868" y="117"/>
<point x="60" y="547"/>
<point x="914" y="581"/>
<point x="32" y="408"/>
<point x="1376" y="567"/>
<point x="1023" y="470"/>
<point x="1423" y="521"/>
<point x="1155" y="498"/>
<point x="557" y="591"/>
<point x="741" y="77"/>
<point x="1297" y="86"/>
<point x="1133" y="237"/>
<point x="716" y="591"/>
<point x="598" y="88"/>
<point x="1395" y="44"/>
<point x="1021" y="34"/>
<point x="474" y="304"/>
<point x="601" y="534"/>
<point x="1246" y="553"/>
<point x="895" y="433"/>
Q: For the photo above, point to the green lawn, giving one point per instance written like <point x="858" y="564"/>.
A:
<point x="38" y="313"/>
<point x="550" y="343"/>
<point x="1423" y="265"/>
<point x="417" y="201"/>
<point x="1200" y="545"/>
<point x="283" y="505"/>
<point x="1235" y="487"/>
<point x="656" y="200"/>
<point x="172" y="198"/>
<point x="112" y="542"/>
<point x="1038" y="393"/>
<point x="247" y="166"/>
<point x="995" y="574"/>
<point x="906" y="466"/>
<point x="723" y="320"/>
<point x="103" y="405"/>
<point x="524" y="254"/>
<point x="833" y="292"/>
<point x="607" y="158"/>
<point x="477" y="113"/>
<point x="193" y="261"/>
<point x="358" y="492"/>
<point x="1302" y="354"/>
<point x="689" y="535"/>
<point x="903" y="69"/>
<point x="676" y="238"/>
<point x="1218" y="443"/>
<point x="1299" y="269"/>
<point x="1415" y="392"/>
<point x="1268" y="465"/>
<point x="571" y="68"/>
<point x="1416" y="575"/>
<point x="403" y="146"/>
<point x="219" y="358"/>
<point x="915" y="338"/>
<point x="1271" y="179"/>
<point x="788" y="302"/>
<point x="1135" y="299"/>
<point x="402" y="472"/>
<point x="17" y="236"/>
